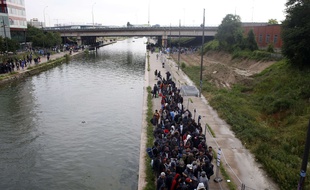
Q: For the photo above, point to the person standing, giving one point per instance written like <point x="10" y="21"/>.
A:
<point x="48" y="56"/>
<point x="155" y="91"/>
<point x="161" y="181"/>
<point x="204" y="179"/>
<point x="156" y="117"/>
<point x="155" y="73"/>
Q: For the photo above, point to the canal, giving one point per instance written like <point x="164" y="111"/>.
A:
<point x="76" y="126"/>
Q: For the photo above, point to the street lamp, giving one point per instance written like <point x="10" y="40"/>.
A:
<point x="179" y="45"/>
<point x="6" y="40"/>
<point x="44" y="14"/>
<point x="203" y="39"/>
<point x="92" y="12"/>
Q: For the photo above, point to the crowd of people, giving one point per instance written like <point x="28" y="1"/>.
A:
<point x="14" y="64"/>
<point x="181" y="159"/>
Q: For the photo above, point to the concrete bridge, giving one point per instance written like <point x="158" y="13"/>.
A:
<point x="86" y="33"/>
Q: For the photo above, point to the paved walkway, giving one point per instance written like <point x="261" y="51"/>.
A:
<point x="238" y="161"/>
<point x="44" y="59"/>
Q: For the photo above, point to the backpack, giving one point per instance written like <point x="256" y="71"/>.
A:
<point x="150" y="152"/>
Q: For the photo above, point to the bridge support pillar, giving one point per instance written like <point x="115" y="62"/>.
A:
<point x="79" y="40"/>
<point x="164" y="41"/>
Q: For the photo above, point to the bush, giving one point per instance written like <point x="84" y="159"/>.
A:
<point x="183" y="65"/>
<point x="270" y="48"/>
<point x="212" y="45"/>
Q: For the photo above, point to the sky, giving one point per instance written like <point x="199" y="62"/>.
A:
<point x="162" y="12"/>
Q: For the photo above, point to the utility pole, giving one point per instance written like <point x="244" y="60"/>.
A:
<point x="170" y="41"/>
<point x="179" y="45"/>
<point x="303" y="169"/>
<point x="44" y="15"/>
<point x="92" y="12"/>
<point x="6" y="40"/>
<point x="203" y="41"/>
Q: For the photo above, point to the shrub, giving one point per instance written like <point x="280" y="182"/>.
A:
<point x="270" y="48"/>
<point x="183" y="65"/>
<point x="212" y="45"/>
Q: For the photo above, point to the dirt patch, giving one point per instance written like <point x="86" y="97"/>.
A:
<point x="221" y="70"/>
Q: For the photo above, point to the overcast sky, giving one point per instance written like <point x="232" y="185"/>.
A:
<point x="163" y="12"/>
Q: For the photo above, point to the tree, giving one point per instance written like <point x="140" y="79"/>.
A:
<point x="273" y="21"/>
<point x="295" y="32"/>
<point x="40" y="38"/>
<point x="13" y="45"/>
<point x="251" y="42"/>
<point x="129" y="25"/>
<point x="229" y="33"/>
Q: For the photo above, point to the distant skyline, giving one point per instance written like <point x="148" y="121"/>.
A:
<point x="162" y="12"/>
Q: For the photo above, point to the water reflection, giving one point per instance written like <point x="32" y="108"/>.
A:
<point x="76" y="126"/>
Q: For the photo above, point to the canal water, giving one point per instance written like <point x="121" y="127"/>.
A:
<point x="76" y="126"/>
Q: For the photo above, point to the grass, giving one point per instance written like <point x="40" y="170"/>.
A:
<point x="7" y="75"/>
<point x="211" y="131"/>
<point x="148" y="61"/>
<point x="150" y="177"/>
<point x="269" y="115"/>
<point x="226" y="177"/>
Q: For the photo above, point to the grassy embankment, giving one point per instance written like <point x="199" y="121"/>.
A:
<point x="270" y="116"/>
<point x="150" y="177"/>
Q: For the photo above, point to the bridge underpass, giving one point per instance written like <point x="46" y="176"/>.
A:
<point x="89" y="35"/>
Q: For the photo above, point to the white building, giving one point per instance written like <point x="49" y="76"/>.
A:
<point x="35" y="23"/>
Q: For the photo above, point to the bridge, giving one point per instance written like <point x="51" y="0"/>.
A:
<point x="90" y="33"/>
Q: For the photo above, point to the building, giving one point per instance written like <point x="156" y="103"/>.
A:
<point x="14" y="11"/>
<point x="4" y="21"/>
<point x="36" y="23"/>
<point x="265" y="34"/>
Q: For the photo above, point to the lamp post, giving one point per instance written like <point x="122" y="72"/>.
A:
<point x="4" y="30"/>
<point x="179" y="45"/>
<point x="92" y="12"/>
<point x="44" y="15"/>
<point x="203" y="41"/>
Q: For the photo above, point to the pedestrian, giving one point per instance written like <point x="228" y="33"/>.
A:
<point x="22" y="65"/>
<point x="156" y="117"/>
<point x="159" y="75"/>
<point x="210" y="153"/>
<point x="161" y="181"/>
<point x="155" y="90"/>
<point x="48" y="56"/>
<point x="204" y="180"/>
<point x="155" y="73"/>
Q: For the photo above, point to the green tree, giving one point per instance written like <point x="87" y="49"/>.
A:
<point x="251" y="42"/>
<point x="13" y="45"/>
<point x="273" y="21"/>
<point x="295" y="32"/>
<point x="40" y="38"/>
<point x="229" y="33"/>
<point x="129" y="25"/>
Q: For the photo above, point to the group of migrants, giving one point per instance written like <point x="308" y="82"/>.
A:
<point x="181" y="159"/>
<point x="15" y="64"/>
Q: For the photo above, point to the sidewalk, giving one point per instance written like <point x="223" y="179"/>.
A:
<point x="238" y="161"/>
<point x="44" y="59"/>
